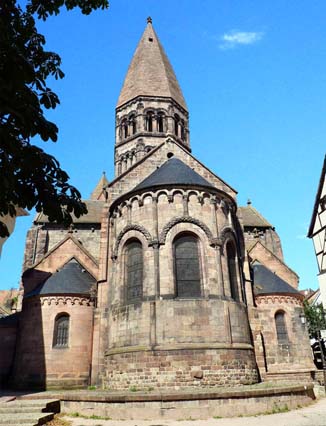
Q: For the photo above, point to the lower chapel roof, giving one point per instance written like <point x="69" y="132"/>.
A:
<point x="267" y="282"/>
<point x="71" y="279"/>
<point x="173" y="172"/>
<point x="94" y="214"/>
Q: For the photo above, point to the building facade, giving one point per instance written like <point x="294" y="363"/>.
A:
<point x="317" y="232"/>
<point x="165" y="282"/>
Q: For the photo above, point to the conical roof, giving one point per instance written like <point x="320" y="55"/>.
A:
<point x="173" y="172"/>
<point x="150" y="72"/>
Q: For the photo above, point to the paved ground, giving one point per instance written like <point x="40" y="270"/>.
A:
<point x="314" y="415"/>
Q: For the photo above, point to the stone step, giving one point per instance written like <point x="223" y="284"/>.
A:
<point x="14" y="408"/>
<point x="25" y="419"/>
<point x="31" y="405"/>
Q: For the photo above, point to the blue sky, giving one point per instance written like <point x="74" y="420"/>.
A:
<point x="253" y="76"/>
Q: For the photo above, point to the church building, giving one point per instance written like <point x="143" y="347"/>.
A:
<point x="166" y="282"/>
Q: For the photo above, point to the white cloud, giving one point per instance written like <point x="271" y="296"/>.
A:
<point x="235" y="38"/>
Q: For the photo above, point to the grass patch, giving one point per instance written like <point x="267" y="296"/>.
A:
<point x="59" y="421"/>
<point x="133" y="389"/>
<point x="83" y="416"/>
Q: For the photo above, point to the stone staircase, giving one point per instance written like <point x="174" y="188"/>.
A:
<point x="28" y="412"/>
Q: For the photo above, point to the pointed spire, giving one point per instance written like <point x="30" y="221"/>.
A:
<point x="102" y="183"/>
<point x="150" y="72"/>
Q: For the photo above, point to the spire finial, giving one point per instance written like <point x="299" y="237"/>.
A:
<point x="149" y="20"/>
<point x="248" y="202"/>
<point x="103" y="173"/>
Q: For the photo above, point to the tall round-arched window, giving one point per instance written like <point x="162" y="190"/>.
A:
<point x="186" y="265"/>
<point x="232" y="270"/>
<point x="183" y="130"/>
<point x="149" y="121"/>
<point x="282" y="334"/>
<point x="176" y="124"/>
<point x="61" y="331"/>
<point x="124" y="128"/>
<point x="133" y="125"/>
<point x="134" y="271"/>
<point x="160" y="122"/>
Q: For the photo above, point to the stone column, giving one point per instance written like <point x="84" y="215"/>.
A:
<point x="129" y="213"/>
<point x="185" y="205"/>
<point x="218" y="247"/>
<point x="156" y="246"/>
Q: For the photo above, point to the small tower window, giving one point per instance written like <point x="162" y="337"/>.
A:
<point x="176" y="124"/>
<point x="149" y="121"/>
<point x="133" y="126"/>
<point x="160" y="122"/>
<point x="282" y="335"/>
<point x="186" y="265"/>
<point x="232" y="269"/>
<point x="124" y="126"/>
<point x="61" y="331"/>
<point x="134" y="271"/>
<point x="183" y="132"/>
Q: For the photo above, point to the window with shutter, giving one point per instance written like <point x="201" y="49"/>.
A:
<point x="186" y="263"/>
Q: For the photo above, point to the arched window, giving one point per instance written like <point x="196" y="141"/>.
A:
<point x="176" y="124"/>
<point x="160" y="122"/>
<point x="133" y="125"/>
<point x="232" y="269"/>
<point x="61" y="331"/>
<point x="282" y="335"/>
<point x="134" y="271"/>
<point x="149" y="121"/>
<point x="124" y="126"/>
<point x="186" y="266"/>
<point x="183" y="132"/>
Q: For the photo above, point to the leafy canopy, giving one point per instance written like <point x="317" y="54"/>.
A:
<point x="29" y="177"/>
<point x="316" y="318"/>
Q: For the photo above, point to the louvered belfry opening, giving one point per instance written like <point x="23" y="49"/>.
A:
<point x="281" y="331"/>
<point x="186" y="264"/>
<point x="61" y="331"/>
<point x="134" y="271"/>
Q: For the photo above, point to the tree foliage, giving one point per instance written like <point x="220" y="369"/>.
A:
<point x="316" y="318"/>
<point x="29" y="177"/>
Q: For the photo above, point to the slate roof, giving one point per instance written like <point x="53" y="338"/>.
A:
<point x="266" y="282"/>
<point x="10" y="319"/>
<point x="150" y="72"/>
<point x="71" y="279"/>
<point x="252" y="218"/>
<point x="94" y="214"/>
<point x="173" y="172"/>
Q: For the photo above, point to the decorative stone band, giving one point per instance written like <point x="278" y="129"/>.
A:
<point x="66" y="300"/>
<point x="294" y="300"/>
<point x="217" y="197"/>
<point x="179" y="347"/>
